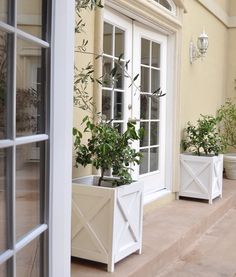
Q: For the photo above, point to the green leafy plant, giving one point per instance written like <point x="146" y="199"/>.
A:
<point x="227" y="123"/>
<point x="203" y="138"/>
<point x="108" y="149"/>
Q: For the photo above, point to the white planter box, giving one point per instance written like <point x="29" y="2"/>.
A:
<point x="201" y="176"/>
<point x="106" y="222"/>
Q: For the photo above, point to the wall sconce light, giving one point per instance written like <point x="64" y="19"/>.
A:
<point x="201" y="49"/>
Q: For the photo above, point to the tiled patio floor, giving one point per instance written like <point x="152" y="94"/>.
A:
<point x="168" y="233"/>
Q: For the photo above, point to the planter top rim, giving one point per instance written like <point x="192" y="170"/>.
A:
<point x="202" y="155"/>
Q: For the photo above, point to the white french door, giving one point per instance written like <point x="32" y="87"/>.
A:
<point x="147" y="51"/>
<point x="149" y="61"/>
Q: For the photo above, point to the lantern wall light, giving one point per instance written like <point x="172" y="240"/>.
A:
<point x="201" y="49"/>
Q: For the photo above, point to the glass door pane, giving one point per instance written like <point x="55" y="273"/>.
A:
<point x="150" y="105"/>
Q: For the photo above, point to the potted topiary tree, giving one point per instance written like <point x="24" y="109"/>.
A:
<point x="106" y="212"/>
<point x="202" y="165"/>
<point x="227" y="128"/>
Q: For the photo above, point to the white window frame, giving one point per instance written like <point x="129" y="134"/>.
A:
<point x="62" y="78"/>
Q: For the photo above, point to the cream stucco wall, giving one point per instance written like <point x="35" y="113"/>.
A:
<point x="232" y="7"/>
<point x="224" y="4"/>
<point x="231" y="84"/>
<point x="203" y="83"/>
<point x="82" y="60"/>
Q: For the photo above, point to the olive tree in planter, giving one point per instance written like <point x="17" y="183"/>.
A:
<point x="202" y="165"/>
<point x="106" y="212"/>
<point x="227" y="128"/>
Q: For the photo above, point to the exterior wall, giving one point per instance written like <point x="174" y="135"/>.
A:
<point x="232" y="7"/>
<point x="231" y="84"/>
<point x="203" y="83"/>
<point x="81" y="60"/>
<point x="224" y="4"/>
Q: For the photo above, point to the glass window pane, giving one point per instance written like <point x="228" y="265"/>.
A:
<point x="145" y="79"/>
<point x="107" y="67"/>
<point x="118" y="105"/>
<point x="3" y="270"/>
<point x="28" y="183"/>
<point x="106" y="103"/>
<point x="145" y="51"/>
<point x="119" y="81"/>
<point x="155" y="80"/>
<point x="143" y="168"/>
<point x="4" y="12"/>
<point x="145" y="140"/>
<point x="154" y="156"/>
<point x="6" y="43"/>
<point x="155" y="108"/>
<point x="29" y="89"/>
<point x="29" y="16"/>
<point x="4" y="185"/>
<point x="119" y="127"/>
<point x="144" y="106"/>
<point x="119" y="42"/>
<point x="107" y="39"/>
<point x="28" y="260"/>
<point x="155" y="54"/>
<point x="165" y="4"/>
<point x="154" y="133"/>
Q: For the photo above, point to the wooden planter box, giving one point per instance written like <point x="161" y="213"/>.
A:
<point x="201" y="176"/>
<point x="106" y="222"/>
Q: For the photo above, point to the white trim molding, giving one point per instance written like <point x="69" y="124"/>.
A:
<point x="62" y="73"/>
<point x="219" y="13"/>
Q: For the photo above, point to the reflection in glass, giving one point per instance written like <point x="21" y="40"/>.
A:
<point x="144" y="79"/>
<point x="144" y="106"/>
<point x="106" y="103"/>
<point x="28" y="180"/>
<point x="29" y="17"/>
<point x="145" y="51"/>
<point x="107" y="39"/>
<point x="28" y="260"/>
<point x="145" y="140"/>
<point x="3" y="270"/>
<point x="155" y="54"/>
<point x="143" y="168"/>
<point x="118" y="105"/>
<point x="119" y="83"/>
<point x="154" y="133"/>
<point x="119" y="127"/>
<point x="3" y="194"/>
<point x="155" y="108"/>
<point x="29" y="89"/>
<point x="4" y="12"/>
<point x="165" y="4"/>
<point x="107" y="67"/>
<point x="5" y="54"/>
<point x="154" y="156"/>
<point x="155" y="80"/>
<point x="119" y="42"/>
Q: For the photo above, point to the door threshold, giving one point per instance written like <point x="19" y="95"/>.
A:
<point x="149" y="198"/>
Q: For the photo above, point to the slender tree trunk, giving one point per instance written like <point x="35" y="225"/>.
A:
<point x="101" y="178"/>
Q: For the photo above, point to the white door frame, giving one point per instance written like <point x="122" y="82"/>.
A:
<point x="62" y="78"/>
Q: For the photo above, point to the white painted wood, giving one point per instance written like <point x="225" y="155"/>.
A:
<point x="154" y="181"/>
<point x="201" y="176"/>
<point x="106" y="222"/>
<point x="62" y="72"/>
<point x="230" y="165"/>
